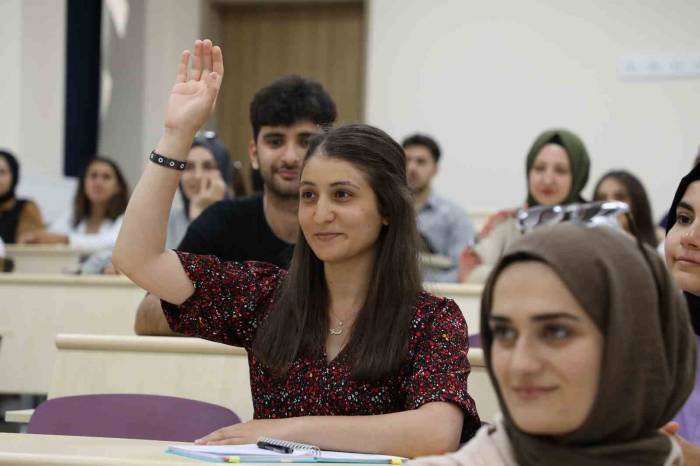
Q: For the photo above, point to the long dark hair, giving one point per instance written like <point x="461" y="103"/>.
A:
<point x="298" y="323"/>
<point x="116" y="205"/>
<point x="639" y="203"/>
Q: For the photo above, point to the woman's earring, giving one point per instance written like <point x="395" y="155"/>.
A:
<point x="385" y="222"/>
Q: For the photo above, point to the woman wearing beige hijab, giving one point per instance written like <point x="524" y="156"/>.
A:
<point x="556" y="168"/>
<point x="589" y="346"/>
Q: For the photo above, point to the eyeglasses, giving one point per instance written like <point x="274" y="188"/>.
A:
<point x="590" y="214"/>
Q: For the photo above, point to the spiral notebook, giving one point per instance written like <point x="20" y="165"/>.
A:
<point x="281" y="452"/>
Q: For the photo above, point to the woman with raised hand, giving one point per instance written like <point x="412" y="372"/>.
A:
<point x="588" y="344"/>
<point x="346" y="351"/>
<point x="93" y="222"/>
<point x="556" y="168"/>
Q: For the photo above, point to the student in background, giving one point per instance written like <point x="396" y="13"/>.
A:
<point x="664" y="220"/>
<point x="683" y="260"/>
<point x="587" y="371"/>
<point x="621" y="185"/>
<point x="96" y="215"/>
<point x="206" y="180"/>
<point x="346" y="351"/>
<point x="261" y="227"/>
<point x="18" y="217"/>
<point x="444" y="226"/>
<point x="556" y="168"/>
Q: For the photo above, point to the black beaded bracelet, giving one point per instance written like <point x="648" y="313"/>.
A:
<point x="166" y="162"/>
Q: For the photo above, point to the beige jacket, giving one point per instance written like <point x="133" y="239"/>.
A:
<point x="491" y="447"/>
<point x="491" y="248"/>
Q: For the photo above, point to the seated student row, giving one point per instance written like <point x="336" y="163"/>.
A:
<point x="557" y="170"/>
<point x="338" y="194"/>
<point x="93" y="222"/>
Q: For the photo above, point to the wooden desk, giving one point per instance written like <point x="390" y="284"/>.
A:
<point x="467" y="296"/>
<point x="60" y="450"/>
<point x="175" y="366"/>
<point x="36" y="307"/>
<point x="215" y="373"/>
<point x="44" y="258"/>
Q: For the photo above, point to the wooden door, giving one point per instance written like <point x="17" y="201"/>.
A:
<point x="262" y="42"/>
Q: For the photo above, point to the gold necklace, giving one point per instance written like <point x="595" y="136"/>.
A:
<point x="337" y="330"/>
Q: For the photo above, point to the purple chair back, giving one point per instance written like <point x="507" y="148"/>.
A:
<point x="475" y="340"/>
<point x="151" y="417"/>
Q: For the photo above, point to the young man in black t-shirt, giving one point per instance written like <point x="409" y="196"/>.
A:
<point x="262" y="227"/>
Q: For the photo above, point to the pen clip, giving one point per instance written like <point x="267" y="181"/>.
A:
<point x="276" y="448"/>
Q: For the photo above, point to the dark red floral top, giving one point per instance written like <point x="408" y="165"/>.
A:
<point x="232" y="299"/>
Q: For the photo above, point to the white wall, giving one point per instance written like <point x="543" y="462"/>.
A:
<point x="10" y="56"/>
<point x="32" y="51"/>
<point x="486" y="77"/>
<point x="169" y="31"/>
<point x="142" y="66"/>
<point x="32" y="86"/>
<point x="43" y="85"/>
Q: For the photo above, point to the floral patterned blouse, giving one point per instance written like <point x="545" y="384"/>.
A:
<point x="232" y="299"/>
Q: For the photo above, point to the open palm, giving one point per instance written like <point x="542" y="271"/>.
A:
<point x="193" y="97"/>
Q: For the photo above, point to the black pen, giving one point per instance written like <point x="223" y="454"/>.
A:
<point x="272" y="447"/>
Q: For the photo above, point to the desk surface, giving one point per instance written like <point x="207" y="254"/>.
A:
<point x="59" y="279"/>
<point x="59" y="450"/>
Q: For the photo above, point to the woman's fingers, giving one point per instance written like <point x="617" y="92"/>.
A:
<point x="206" y="58"/>
<point x="218" y="435"/>
<point x="182" y="67"/>
<point x="229" y="441"/>
<point x="196" y="73"/>
<point x="217" y="61"/>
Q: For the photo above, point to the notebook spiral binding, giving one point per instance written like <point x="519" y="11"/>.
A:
<point x="314" y="450"/>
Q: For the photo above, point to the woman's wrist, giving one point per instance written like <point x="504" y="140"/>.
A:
<point x="175" y="143"/>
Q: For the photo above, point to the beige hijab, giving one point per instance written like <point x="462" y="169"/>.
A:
<point x="649" y="355"/>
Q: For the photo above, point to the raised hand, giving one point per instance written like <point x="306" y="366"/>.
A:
<point x="193" y="97"/>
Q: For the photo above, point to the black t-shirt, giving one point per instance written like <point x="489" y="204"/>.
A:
<point x="236" y="230"/>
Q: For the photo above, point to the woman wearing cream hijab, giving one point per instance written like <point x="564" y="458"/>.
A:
<point x="556" y="168"/>
<point x="589" y="346"/>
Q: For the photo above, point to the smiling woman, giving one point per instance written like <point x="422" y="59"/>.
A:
<point x="346" y="351"/>
<point x="556" y="168"/>
<point x="586" y="371"/>
<point x="682" y="248"/>
<point x="96" y="215"/>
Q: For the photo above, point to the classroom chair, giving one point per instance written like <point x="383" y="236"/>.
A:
<point x="150" y="417"/>
<point x="475" y="340"/>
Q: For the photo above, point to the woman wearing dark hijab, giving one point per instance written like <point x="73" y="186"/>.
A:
<point x="18" y="217"/>
<point x="682" y="248"/>
<point x="586" y="371"/>
<point x="206" y="180"/>
<point x="556" y="167"/>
